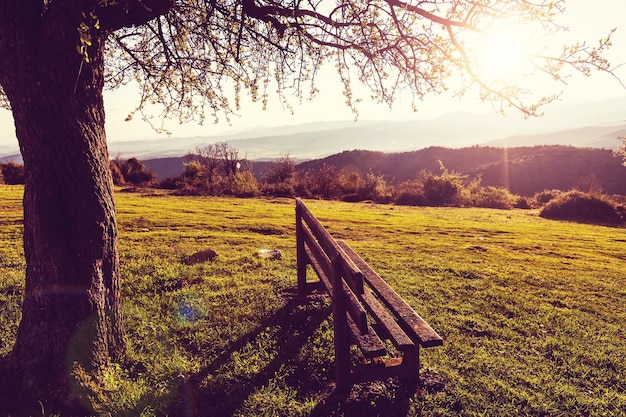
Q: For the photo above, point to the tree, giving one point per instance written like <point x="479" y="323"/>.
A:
<point x="12" y="172"/>
<point x="135" y="172"/>
<point x="192" y="55"/>
<point x="216" y="169"/>
<point x="280" y="178"/>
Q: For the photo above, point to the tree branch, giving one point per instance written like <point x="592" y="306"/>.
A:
<point x="114" y="15"/>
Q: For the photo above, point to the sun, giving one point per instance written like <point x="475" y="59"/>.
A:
<point x="503" y="56"/>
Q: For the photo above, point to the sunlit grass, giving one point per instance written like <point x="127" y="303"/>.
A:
<point x="532" y="310"/>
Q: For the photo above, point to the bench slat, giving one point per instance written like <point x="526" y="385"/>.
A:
<point x="321" y="265"/>
<point x="317" y="252"/>
<point x="369" y="343"/>
<point x="354" y="307"/>
<point x="326" y="240"/>
<point x="408" y="319"/>
<point x="351" y="273"/>
<point x="319" y="270"/>
<point x="330" y="247"/>
<point x="397" y="336"/>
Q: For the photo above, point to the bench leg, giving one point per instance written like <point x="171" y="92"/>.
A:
<point x="340" y="331"/>
<point x="411" y="365"/>
<point x="301" y="258"/>
<point x="343" y="365"/>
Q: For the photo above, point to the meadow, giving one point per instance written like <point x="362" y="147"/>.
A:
<point x="533" y="311"/>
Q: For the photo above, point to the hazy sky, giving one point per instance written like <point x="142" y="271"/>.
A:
<point x="588" y="21"/>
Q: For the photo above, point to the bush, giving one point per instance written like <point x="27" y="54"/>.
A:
<point x="543" y="197"/>
<point x="441" y="190"/>
<point x="172" y="183"/>
<point x="243" y="184"/>
<point x="522" y="203"/>
<point x="282" y="189"/>
<point x="582" y="207"/>
<point x="493" y="197"/>
<point x="410" y="198"/>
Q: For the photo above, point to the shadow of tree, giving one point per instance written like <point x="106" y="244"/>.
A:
<point x="209" y="393"/>
<point x="302" y="358"/>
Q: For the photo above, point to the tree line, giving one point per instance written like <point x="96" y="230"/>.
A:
<point x="219" y="170"/>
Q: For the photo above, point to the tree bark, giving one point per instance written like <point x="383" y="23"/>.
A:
<point x="71" y="313"/>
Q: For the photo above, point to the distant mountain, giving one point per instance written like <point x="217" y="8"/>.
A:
<point x="10" y="156"/>
<point x="585" y="124"/>
<point x="523" y="170"/>
<point x="601" y="137"/>
<point x="396" y="136"/>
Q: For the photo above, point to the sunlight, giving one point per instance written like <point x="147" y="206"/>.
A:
<point x="503" y="56"/>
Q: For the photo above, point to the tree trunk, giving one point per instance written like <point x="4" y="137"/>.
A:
<point x="71" y="311"/>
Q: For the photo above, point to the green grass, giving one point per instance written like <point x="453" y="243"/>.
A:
<point x="532" y="310"/>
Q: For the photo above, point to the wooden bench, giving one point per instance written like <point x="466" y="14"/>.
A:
<point x="367" y="312"/>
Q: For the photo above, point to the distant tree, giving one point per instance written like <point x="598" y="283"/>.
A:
<point x="216" y="169"/>
<point x="375" y="188"/>
<point x="352" y="183"/>
<point x="13" y="173"/>
<point x="135" y="172"/>
<point x="321" y="182"/>
<point x="621" y="149"/>
<point x="279" y="180"/>
<point x="57" y="55"/>
<point x="116" y="172"/>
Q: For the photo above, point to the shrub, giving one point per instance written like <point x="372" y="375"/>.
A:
<point x="582" y="207"/>
<point x="522" y="203"/>
<point x="351" y="184"/>
<point x="409" y="193"/>
<point x="352" y="198"/>
<point x="493" y="197"/>
<point x="545" y="196"/>
<point x="408" y="198"/>
<point x="172" y="183"/>
<point x="440" y="190"/>
<point x="282" y="189"/>
<point x="476" y="195"/>
<point x="243" y="184"/>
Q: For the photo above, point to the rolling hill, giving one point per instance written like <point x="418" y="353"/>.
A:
<point x="523" y="170"/>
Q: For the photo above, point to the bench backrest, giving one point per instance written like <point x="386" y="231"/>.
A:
<point x="335" y="261"/>
<point x="331" y="263"/>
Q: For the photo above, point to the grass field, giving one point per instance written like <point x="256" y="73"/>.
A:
<point x="533" y="311"/>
